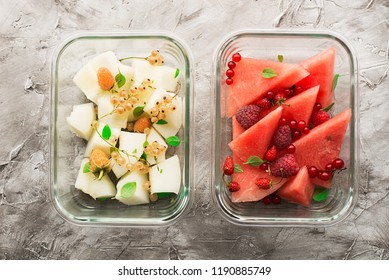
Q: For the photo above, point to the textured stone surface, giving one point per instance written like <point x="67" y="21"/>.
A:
<point x="30" y="227"/>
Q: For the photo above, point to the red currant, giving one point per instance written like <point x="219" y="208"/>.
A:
<point x="229" y="81"/>
<point x="324" y="175"/>
<point x="270" y="95"/>
<point x="283" y="121"/>
<point x="298" y="90"/>
<point x="338" y="163"/>
<point x="276" y="199"/>
<point x="317" y="107"/>
<point x="312" y="171"/>
<point x="236" y="57"/>
<point x="266" y="200"/>
<point x="264" y="166"/>
<point x="305" y="130"/>
<point x="230" y="73"/>
<point x="290" y="149"/>
<point x="287" y="92"/>
<point x="301" y="125"/>
<point x="293" y="124"/>
<point x="329" y="167"/>
<point x="296" y="135"/>
<point x="231" y="64"/>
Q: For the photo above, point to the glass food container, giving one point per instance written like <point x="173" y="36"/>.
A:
<point x="295" y="46"/>
<point x="67" y="150"/>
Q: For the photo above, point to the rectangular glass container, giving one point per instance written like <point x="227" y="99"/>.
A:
<point x="295" y="46"/>
<point x="67" y="150"/>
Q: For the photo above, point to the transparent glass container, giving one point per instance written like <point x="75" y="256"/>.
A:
<point x="67" y="150"/>
<point x="295" y="46"/>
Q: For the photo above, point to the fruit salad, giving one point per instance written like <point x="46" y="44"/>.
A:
<point x="286" y="138"/>
<point x="130" y="123"/>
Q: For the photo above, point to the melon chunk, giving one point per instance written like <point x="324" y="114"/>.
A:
<point x="237" y="129"/>
<point x="88" y="183"/>
<point x="299" y="189"/>
<point x="105" y="109"/>
<point x="132" y="144"/>
<point x="151" y="137"/>
<point x="163" y="76"/>
<point x="165" y="177"/>
<point x="140" y="196"/>
<point x="95" y="141"/>
<point x="81" y="119"/>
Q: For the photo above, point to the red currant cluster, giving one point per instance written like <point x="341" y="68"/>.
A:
<point x="298" y="127"/>
<point x="236" y="57"/>
<point x="326" y="174"/>
<point x="273" y="198"/>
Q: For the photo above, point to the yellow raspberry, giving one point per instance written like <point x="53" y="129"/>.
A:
<point x="105" y="78"/>
<point x="141" y="124"/>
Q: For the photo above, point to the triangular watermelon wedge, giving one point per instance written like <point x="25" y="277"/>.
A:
<point x="299" y="107"/>
<point x="249" y="85"/>
<point x="237" y="129"/>
<point x="322" y="145"/>
<point x="299" y="189"/>
<point x="255" y="140"/>
<point x="249" y="191"/>
<point x="321" y="69"/>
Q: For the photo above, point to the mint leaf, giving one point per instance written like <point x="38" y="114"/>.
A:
<point x="138" y="111"/>
<point x="161" y="122"/>
<point x="269" y="73"/>
<point x="326" y="109"/>
<point x="135" y="151"/>
<point x="102" y="198"/>
<point x="106" y="133"/>
<point x="335" y="82"/>
<point x="160" y="171"/>
<point x="120" y="79"/>
<point x="145" y="144"/>
<point x="237" y="168"/>
<point x="128" y="190"/>
<point x="173" y="141"/>
<point x="86" y="168"/>
<point x="320" y="194"/>
<point x="177" y="73"/>
<point x="280" y="58"/>
<point x="254" y="161"/>
<point x="163" y="195"/>
<point x="143" y="156"/>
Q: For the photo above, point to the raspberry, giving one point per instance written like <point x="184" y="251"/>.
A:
<point x="228" y="167"/>
<point x="248" y="115"/>
<point x="264" y="103"/>
<point x="264" y="183"/>
<point x="233" y="186"/>
<point x="320" y="117"/>
<point x="105" y="78"/>
<point x="271" y="154"/>
<point x="141" y="124"/>
<point x="282" y="137"/>
<point x="286" y="166"/>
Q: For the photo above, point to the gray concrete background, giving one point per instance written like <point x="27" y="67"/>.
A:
<point x="30" y="227"/>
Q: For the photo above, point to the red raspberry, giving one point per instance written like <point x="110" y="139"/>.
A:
<point x="264" y="183"/>
<point x="271" y="154"/>
<point x="282" y="137"/>
<point x="264" y="103"/>
<point x="286" y="166"/>
<point x="228" y="167"/>
<point x="248" y="115"/>
<point x="233" y="186"/>
<point x="320" y="117"/>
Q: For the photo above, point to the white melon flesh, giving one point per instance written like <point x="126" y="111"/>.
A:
<point x="141" y="195"/>
<point x="81" y="118"/>
<point x="105" y="107"/>
<point x="163" y="76"/>
<point x="157" y="94"/>
<point x="86" y="77"/>
<point x="95" y="141"/>
<point x="88" y="183"/>
<point x="132" y="143"/>
<point x="151" y="137"/>
<point x="173" y="119"/>
<point x="166" y="176"/>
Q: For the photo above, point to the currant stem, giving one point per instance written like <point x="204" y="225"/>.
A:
<point x="132" y="57"/>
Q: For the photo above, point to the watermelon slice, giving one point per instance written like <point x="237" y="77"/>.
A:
<point x="255" y="140"/>
<point x="249" y="191"/>
<point x="298" y="189"/>
<point x="321" y="69"/>
<point x="249" y="85"/>
<point x="322" y="145"/>
<point x="237" y="129"/>
<point x="300" y="107"/>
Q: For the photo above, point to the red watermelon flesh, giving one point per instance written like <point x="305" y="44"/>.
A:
<point x="255" y="140"/>
<point x="321" y="69"/>
<point x="299" y="189"/>
<point x="322" y="144"/>
<point x="300" y="107"/>
<point x="237" y="129"/>
<point x="249" y="85"/>
<point x="249" y="191"/>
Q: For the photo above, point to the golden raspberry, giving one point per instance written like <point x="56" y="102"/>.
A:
<point x="98" y="160"/>
<point x="105" y="78"/>
<point x="141" y="124"/>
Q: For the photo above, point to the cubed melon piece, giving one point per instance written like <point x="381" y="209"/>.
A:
<point x="140" y="196"/>
<point x="81" y="118"/>
<point x="88" y="183"/>
<point x="165" y="177"/>
<point x="132" y="143"/>
<point x="151" y="137"/>
<point x="105" y="107"/>
<point x="163" y="76"/>
<point x="95" y="141"/>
